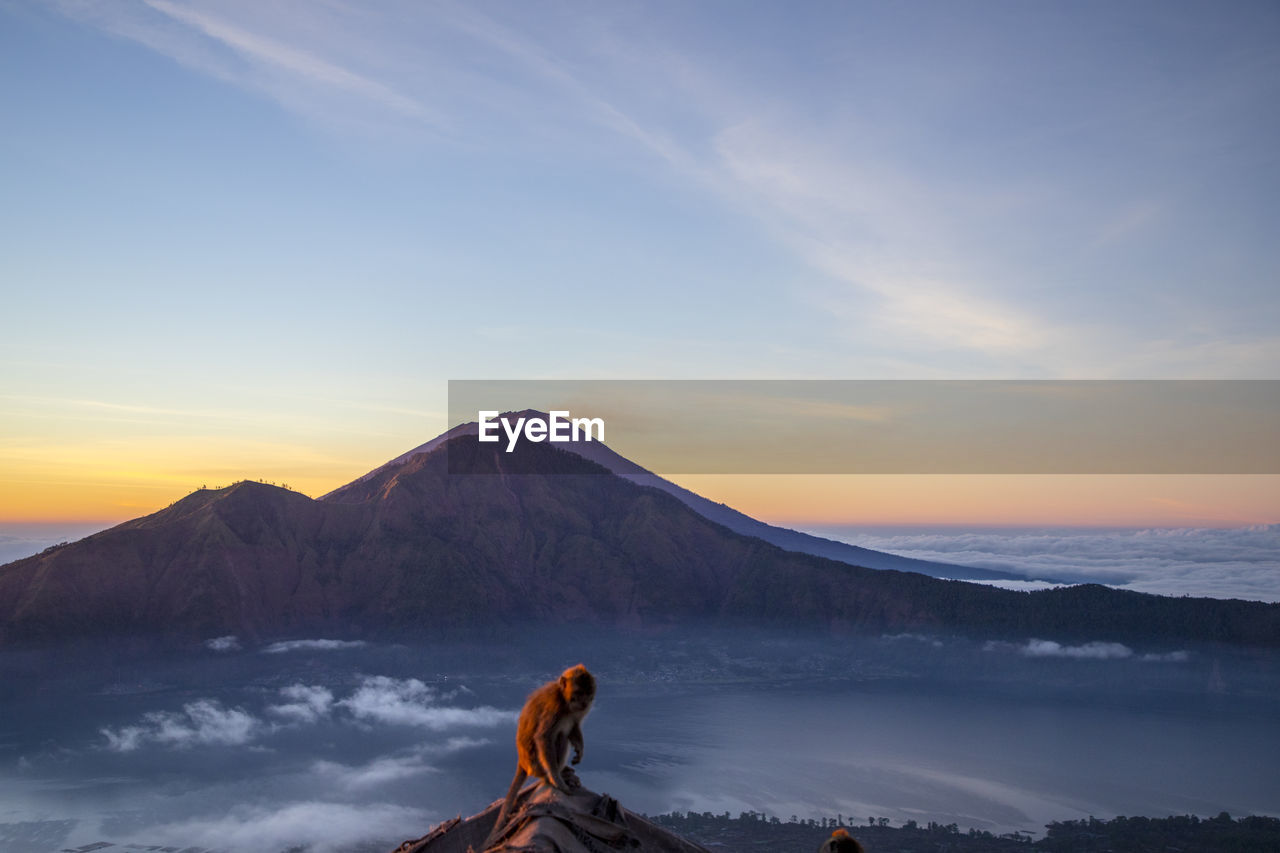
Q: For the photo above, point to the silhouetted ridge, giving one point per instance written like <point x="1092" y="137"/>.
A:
<point x="541" y="536"/>
<point x="791" y="540"/>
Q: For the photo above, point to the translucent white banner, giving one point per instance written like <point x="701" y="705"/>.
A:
<point x="892" y="427"/>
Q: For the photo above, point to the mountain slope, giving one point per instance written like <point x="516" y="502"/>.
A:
<point x="785" y="538"/>
<point x="539" y="537"/>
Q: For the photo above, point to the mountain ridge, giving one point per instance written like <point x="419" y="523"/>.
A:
<point x="538" y="538"/>
<point x="739" y="522"/>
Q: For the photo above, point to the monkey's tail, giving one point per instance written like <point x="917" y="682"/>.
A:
<point x="504" y="813"/>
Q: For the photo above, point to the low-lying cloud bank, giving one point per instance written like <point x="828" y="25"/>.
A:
<point x="1241" y="562"/>
<point x="1096" y="650"/>
<point x="409" y="702"/>
<point x="229" y="643"/>
<point x="25" y="539"/>
<point x="378" y="700"/>
<point x="312" y="646"/>
<point x="204" y="722"/>
<point x="309" y="703"/>
<point x="318" y="827"/>
<point x="391" y="768"/>
<point x="1088" y="651"/>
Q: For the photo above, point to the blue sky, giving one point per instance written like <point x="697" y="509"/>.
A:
<point x="261" y="237"/>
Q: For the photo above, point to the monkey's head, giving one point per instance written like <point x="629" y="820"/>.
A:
<point x="841" y="842"/>
<point x="578" y="687"/>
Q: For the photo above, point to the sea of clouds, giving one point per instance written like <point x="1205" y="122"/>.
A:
<point x="377" y="700"/>
<point x="18" y="540"/>
<point x="325" y="759"/>
<point x="1241" y="562"/>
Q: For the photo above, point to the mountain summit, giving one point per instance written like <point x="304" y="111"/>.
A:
<point x="790" y="540"/>
<point x="539" y="536"/>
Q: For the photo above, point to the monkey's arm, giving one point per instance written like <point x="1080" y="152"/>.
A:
<point x="551" y="757"/>
<point x="575" y="740"/>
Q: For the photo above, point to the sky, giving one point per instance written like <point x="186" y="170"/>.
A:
<point x="245" y="240"/>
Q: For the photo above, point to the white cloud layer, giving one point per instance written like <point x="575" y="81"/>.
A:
<point x="229" y="643"/>
<point x="1089" y="651"/>
<point x="378" y="700"/>
<point x="409" y="702"/>
<point x="309" y="703"/>
<point x="312" y="646"/>
<point x="1217" y="563"/>
<point x="19" y="540"/>
<point x="319" y="827"/>
<point x="1095" y="650"/>
<point x="204" y="722"/>
<point x="391" y="768"/>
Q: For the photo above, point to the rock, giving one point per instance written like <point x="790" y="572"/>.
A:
<point x="548" y="821"/>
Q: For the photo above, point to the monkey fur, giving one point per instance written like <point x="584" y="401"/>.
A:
<point x="841" y="842"/>
<point x="550" y="723"/>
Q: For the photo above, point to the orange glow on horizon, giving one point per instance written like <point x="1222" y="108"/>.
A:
<point x="118" y="481"/>
<point x="998" y="500"/>
<point x="111" y="494"/>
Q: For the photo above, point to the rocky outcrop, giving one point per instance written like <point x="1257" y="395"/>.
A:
<point x="548" y="821"/>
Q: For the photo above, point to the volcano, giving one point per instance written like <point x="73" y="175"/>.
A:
<point x="542" y="536"/>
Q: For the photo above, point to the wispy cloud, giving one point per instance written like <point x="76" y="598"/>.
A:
<point x="377" y="701"/>
<point x="317" y="826"/>
<point x="308" y="703"/>
<point x="877" y="231"/>
<point x="205" y="722"/>
<point x="229" y="643"/>
<point x="1096" y="650"/>
<point x="392" y="768"/>
<point x="250" y="46"/>
<point x="380" y="771"/>
<point x="882" y="175"/>
<point x="409" y="702"/>
<point x="320" y="645"/>
<point x="277" y="54"/>
<point x="844" y="216"/>
<point x="582" y="88"/>
<point x="917" y="638"/>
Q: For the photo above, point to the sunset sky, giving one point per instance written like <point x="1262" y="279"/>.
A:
<point x="255" y="240"/>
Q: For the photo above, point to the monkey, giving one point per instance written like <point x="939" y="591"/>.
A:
<point x="841" y="842"/>
<point x="550" y="723"/>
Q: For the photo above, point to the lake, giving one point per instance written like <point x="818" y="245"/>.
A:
<point x="353" y="746"/>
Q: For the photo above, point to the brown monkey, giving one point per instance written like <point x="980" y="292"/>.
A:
<point x="550" y="723"/>
<point x="841" y="842"/>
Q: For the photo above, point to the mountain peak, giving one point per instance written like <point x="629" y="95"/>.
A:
<point x="239" y="493"/>
<point x="599" y="453"/>
<point x="413" y="549"/>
